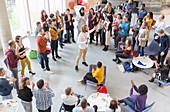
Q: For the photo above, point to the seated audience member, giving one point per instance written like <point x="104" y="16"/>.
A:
<point x="6" y="86"/>
<point x="113" y="107"/>
<point x="37" y="28"/>
<point x="96" y="76"/>
<point x="123" y="32"/>
<point x="70" y="100"/>
<point x="43" y="96"/>
<point x="160" y="24"/>
<point x="135" y="31"/>
<point x="21" y="50"/>
<point x="25" y="94"/>
<point x="136" y="102"/>
<point x="127" y="49"/>
<point x="142" y="37"/>
<point x="162" y="71"/>
<point x="141" y="12"/>
<point x="163" y="41"/>
<point x="83" y="107"/>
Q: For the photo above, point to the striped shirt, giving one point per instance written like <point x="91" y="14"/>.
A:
<point x="43" y="98"/>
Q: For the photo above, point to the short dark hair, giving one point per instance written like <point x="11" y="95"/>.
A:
<point x="151" y="14"/>
<point x="141" y="21"/>
<point x="68" y="91"/>
<point x="37" y="23"/>
<point x="119" y="15"/>
<point x="51" y="15"/>
<point x="40" y="30"/>
<point x="83" y="103"/>
<point x="11" y="42"/>
<point x="163" y="16"/>
<point x="143" y="5"/>
<point x="120" y="7"/>
<point x="126" y="16"/>
<point x="40" y="83"/>
<point x="50" y="21"/>
<point x="161" y="31"/>
<point x="68" y="10"/>
<point x="1" y="69"/>
<point x="113" y="105"/>
<point x="99" y="64"/>
<point x="143" y="89"/>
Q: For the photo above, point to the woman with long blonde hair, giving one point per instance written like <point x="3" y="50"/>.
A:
<point x="25" y="94"/>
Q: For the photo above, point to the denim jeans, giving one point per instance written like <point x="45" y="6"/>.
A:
<point x="43" y="57"/>
<point x="7" y="97"/>
<point x="15" y="75"/>
<point x="60" y="37"/>
<point x="128" y="101"/>
<point x="141" y="50"/>
<point x="27" y="106"/>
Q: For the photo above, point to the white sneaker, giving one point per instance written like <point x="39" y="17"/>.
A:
<point x="43" y="69"/>
<point x="51" y="72"/>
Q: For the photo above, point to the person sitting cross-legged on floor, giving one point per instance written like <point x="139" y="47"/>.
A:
<point x="70" y="99"/>
<point x="162" y="71"/>
<point x="127" y="49"/>
<point x="96" y="76"/>
<point x="136" y="102"/>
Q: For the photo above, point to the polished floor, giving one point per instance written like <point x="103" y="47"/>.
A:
<point x="117" y="83"/>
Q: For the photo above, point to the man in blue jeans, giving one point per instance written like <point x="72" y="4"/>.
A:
<point x="42" y="53"/>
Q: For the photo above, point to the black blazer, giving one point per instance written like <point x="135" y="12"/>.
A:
<point x="68" y="26"/>
<point x="164" y="44"/>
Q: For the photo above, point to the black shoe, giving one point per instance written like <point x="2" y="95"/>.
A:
<point x="62" y="44"/>
<point x="69" y="42"/>
<point x="31" y="73"/>
<point x="54" y="59"/>
<point x="118" y="61"/>
<point x="151" y="80"/>
<point x="114" y="60"/>
<point x="74" y="41"/>
<point x="65" y="41"/>
<point x="84" y="63"/>
<point x="58" y="57"/>
<point x="76" y="68"/>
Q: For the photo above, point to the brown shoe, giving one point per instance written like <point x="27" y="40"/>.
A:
<point x="81" y="81"/>
<point x="96" y="43"/>
<point x="116" y="100"/>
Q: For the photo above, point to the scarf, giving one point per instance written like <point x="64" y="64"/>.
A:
<point x="81" y="14"/>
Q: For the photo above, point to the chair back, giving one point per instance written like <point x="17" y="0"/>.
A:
<point x="148" y="107"/>
<point x="119" y="44"/>
<point x="152" y="49"/>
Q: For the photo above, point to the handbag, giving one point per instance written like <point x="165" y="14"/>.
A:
<point x="33" y="54"/>
<point x="48" y="50"/>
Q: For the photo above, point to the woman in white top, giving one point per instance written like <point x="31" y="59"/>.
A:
<point x="107" y="26"/>
<point x="113" y="107"/>
<point x="83" y="44"/>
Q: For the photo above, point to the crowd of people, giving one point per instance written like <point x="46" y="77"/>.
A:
<point x="102" y="22"/>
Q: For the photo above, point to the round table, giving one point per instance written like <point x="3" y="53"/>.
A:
<point x="101" y="100"/>
<point x="142" y="62"/>
<point x="10" y="105"/>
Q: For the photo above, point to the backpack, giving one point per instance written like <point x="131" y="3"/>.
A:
<point x="101" y="89"/>
<point x="33" y="54"/>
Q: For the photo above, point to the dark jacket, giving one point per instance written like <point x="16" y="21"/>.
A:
<point x="164" y="70"/>
<point x="164" y="43"/>
<point x="5" y="87"/>
<point x="67" y="22"/>
<point x="12" y="58"/>
<point x="90" y="21"/>
<point x="25" y="94"/>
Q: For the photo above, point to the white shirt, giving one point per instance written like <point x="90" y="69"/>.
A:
<point x="110" y="110"/>
<point x="69" y="100"/>
<point x="82" y="39"/>
<point x="159" y="25"/>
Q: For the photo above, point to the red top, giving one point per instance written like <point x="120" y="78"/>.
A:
<point x="127" y="52"/>
<point x="41" y="43"/>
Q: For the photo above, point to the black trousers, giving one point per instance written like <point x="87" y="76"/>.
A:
<point x="89" y="76"/>
<point x="54" y="47"/>
<point x="99" y="33"/>
<point x="48" y="110"/>
<point x="161" y="59"/>
<point x="92" y="36"/>
<point x="120" y="54"/>
<point x="68" y="34"/>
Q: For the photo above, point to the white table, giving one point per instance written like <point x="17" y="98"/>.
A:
<point x="147" y="62"/>
<point x="101" y="100"/>
<point x="77" y="8"/>
<point x="10" y="105"/>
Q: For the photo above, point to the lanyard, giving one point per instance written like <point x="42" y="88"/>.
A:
<point x="161" y="39"/>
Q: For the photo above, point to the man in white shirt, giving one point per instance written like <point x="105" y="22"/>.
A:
<point x="160" y="24"/>
<point x="69" y="99"/>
